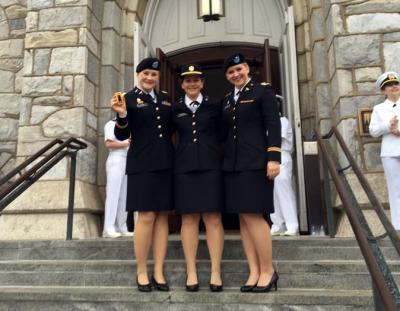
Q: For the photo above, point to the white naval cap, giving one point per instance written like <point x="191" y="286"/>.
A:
<point x="389" y="76"/>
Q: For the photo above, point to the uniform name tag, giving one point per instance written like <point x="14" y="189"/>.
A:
<point x="181" y="115"/>
<point x="164" y="102"/>
<point x="249" y="101"/>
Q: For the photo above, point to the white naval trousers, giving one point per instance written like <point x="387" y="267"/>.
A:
<point x="115" y="210"/>
<point x="285" y="213"/>
<point x="391" y="166"/>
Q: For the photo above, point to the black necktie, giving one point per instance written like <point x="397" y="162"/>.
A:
<point x="194" y="104"/>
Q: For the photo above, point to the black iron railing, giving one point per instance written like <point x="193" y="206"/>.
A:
<point x="28" y="176"/>
<point x="386" y="292"/>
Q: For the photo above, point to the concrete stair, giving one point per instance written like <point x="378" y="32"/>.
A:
<point x="316" y="273"/>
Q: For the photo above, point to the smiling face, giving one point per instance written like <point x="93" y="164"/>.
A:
<point x="392" y="90"/>
<point x="238" y="75"/>
<point x="148" y="79"/>
<point x="192" y="85"/>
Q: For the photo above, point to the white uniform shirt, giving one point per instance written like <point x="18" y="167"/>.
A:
<point x="188" y="101"/>
<point x="236" y="90"/>
<point x="380" y="125"/>
<point x="287" y="135"/>
<point x="109" y="135"/>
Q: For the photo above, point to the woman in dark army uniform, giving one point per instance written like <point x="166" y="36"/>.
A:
<point x="251" y="162"/>
<point x="198" y="188"/>
<point x="145" y="117"/>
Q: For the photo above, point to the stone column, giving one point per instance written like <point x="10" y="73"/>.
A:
<point x="12" y="33"/>
<point x="60" y="89"/>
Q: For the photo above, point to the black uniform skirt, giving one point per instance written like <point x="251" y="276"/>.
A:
<point x="248" y="192"/>
<point x="198" y="192"/>
<point x="150" y="191"/>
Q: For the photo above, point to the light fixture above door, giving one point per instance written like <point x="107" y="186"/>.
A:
<point x="210" y="10"/>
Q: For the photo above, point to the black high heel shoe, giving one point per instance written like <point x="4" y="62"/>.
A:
<point x="192" y="288"/>
<point x="216" y="288"/>
<point x="267" y="288"/>
<point x="143" y="287"/>
<point x="162" y="287"/>
<point x="247" y="288"/>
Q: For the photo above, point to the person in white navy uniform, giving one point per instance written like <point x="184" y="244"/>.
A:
<point x="115" y="207"/>
<point x="252" y="154"/>
<point x="145" y="116"/>
<point x="385" y="122"/>
<point x="284" y="218"/>
<point x="198" y="191"/>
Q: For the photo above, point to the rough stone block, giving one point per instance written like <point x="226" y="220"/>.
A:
<point x="324" y="104"/>
<point x="95" y="28"/>
<point x="393" y="36"/>
<point x="7" y="84"/>
<point x="12" y="48"/>
<point x="374" y="6"/>
<point x="300" y="12"/>
<point x="341" y="85"/>
<point x="39" y="113"/>
<point x="8" y="129"/>
<point x="32" y="21"/>
<point x="28" y="62"/>
<point x="18" y="81"/>
<point x="367" y="74"/>
<point x="92" y="120"/>
<point x="334" y="24"/>
<point x="302" y="67"/>
<point x="69" y="60"/>
<point x="348" y="105"/>
<point x="86" y="170"/>
<point x="376" y="22"/>
<point x="109" y="85"/>
<point x="9" y="103"/>
<point x="300" y="37"/>
<point x="4" y="30"/>
<point x="68" y="85"/>
<point x="320" y="64"/>
<point x="25" y="107"/>
<point x="366" y="88"/>
<point x="30" y="134"/>
<point x="16" y="11"/>
<point x="391" y="55"/>
<point x="41" y="86"/>
<point x="349" y="131"/>
<point x="317" y="24"/>
<point x="41" y="61"/>
<point x="111" y="50"/>
<point x="357" y="50"/>
<point x="372" y="157"/>
<point x="113" y="17"/>
<point x="17" y="24"/>
<point x="86" y="38"/>
<point x="11" y="64"/>
<point x="53" y="100"/>
<point x="39" y="4"/>
<point x="72" y="2"/>
<point x="51" y="38"/>
<point x="65" y="123"/>
<point x="66" y="17"/>
<point x="93" y="69"/>
<point x="84" y="93"/>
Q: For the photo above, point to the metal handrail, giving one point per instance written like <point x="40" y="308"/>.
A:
<point x="378" y="268"/>
<point x="70" y="147"/>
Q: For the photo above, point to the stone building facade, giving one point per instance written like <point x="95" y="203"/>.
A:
<point x="61" y="61"/>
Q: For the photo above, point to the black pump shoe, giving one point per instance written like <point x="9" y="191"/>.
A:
<point x="267" y="288"/>
<point x="143" y="287"/>
<point x="162" y="287"/>
<point x="247" y="288"/>
<point x="192" y="288"/>
<point x="216" y="288"/>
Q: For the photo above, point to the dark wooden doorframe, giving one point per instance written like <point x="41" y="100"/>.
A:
<point x="264" y="57"/>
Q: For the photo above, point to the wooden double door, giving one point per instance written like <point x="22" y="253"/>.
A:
<point x="264" y="67"/>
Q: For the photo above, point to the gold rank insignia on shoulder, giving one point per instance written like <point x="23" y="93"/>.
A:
<point x="265" y="83"/>
<point x="164" y="92"/>
<point x="275" y="149"/>
<point x="165" y="103"/>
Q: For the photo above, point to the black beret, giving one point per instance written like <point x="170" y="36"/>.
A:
<point x="149" y="63"/>
<point x="234" y="60"/>
<point x="191" y="69"/>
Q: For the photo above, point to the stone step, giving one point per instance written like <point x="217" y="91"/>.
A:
<point x="128" y="298"/>
<point x="293" y="274"/>
<point x="284" y="248"/>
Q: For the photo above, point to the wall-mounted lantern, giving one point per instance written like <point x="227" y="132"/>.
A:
<point x="210" y="10"/>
